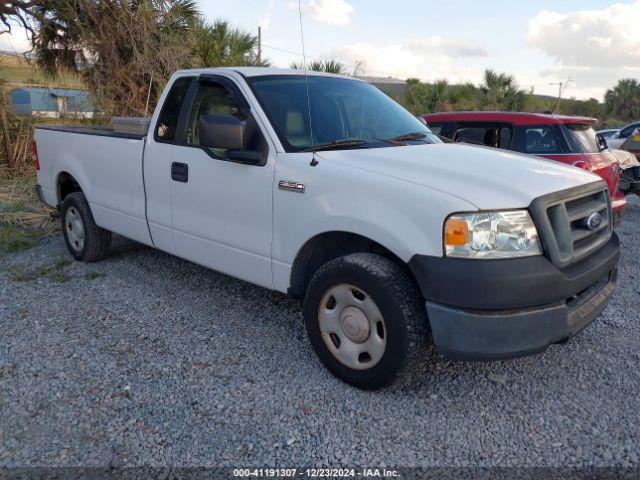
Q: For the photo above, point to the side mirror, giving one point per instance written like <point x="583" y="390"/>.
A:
<point x="602" y="143"/>
<point x="221" y="131"/>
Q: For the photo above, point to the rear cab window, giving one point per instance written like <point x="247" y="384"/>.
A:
<point x="581" y="137"/>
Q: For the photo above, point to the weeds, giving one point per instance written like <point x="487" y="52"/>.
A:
<point x="23" y="219"/>
<point x="54" y="271"/>
<point x="15" y="240"/>
<point x="93" y="275"/>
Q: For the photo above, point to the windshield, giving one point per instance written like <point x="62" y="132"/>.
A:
<point x="581" y="137"/>
<point x="341" y="109"/>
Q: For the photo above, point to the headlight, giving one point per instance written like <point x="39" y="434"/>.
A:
<point x="506" y="234"/>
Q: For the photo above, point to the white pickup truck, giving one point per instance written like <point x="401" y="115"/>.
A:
<point x="323" y="187"/>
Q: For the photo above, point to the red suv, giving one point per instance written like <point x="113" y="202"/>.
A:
<point x="569" y="140"/>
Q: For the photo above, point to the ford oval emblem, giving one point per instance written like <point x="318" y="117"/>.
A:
<point x="594" y="220"/>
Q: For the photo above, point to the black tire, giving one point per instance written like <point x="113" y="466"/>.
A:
<point x="95" y="242"/>
<point x="398" y="300"/>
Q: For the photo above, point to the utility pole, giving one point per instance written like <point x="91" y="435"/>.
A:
<point x="259" y="45"/>
<point x="561" y="87"/>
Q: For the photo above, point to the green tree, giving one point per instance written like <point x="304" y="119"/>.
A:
<point x="422" y="98"/>
<point x="623" y="100"/>
<point x="464" y="97"/>
<point x="220" y="45"/>
<point x="415" y="96"/>
<point x="501" y="92"/>
<point x="328" y="66"/>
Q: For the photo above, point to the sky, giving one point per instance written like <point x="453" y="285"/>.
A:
<point x="541" y="42"/>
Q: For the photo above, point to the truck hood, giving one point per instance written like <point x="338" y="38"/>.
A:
<point x="485" y="177"/>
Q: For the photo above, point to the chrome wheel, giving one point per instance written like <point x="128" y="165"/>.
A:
<point x="352" y="327"/>
<point x="74" y="229"/>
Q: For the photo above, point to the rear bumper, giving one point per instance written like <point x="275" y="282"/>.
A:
<point x="40" y="194"/>
<point x="497" y="309"/>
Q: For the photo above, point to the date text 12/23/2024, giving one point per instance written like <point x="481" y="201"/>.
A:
<point x="316" y="472"/>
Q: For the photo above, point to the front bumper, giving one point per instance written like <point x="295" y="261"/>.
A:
<point x="497" y="309"/>
<point x="630" y="181"/>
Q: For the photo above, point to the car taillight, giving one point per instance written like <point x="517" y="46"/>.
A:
<point x="36" y="162"/>
<point x="581" y="164"/>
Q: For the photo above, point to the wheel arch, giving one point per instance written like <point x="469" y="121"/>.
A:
<point x="327" y="246"/>
<point x="66" y="183"/>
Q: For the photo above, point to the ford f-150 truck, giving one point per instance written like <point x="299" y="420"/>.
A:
<point x="323" y="187"/>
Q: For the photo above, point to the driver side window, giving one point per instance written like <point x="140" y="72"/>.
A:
<point x="211" y="99"/>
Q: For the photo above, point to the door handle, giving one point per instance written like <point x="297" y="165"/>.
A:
<point x="180" y="172"/>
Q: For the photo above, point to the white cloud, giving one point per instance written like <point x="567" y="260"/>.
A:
<point x="452" y="47"/>
<point x="267" y="17"/>
<point x="427" y="58"/>
<point x="335" y="12"/>
<point x="609" y="37"/>
<point x="16" y="41"/>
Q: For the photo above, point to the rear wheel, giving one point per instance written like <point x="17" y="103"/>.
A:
<point x="366" y="320"/>
<point x="85" y="240"/>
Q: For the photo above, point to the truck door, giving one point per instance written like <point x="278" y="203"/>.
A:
<point x="157" y="160"/>
<point x="221" y="209"/>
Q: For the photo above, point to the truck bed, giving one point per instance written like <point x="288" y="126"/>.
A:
<point x="108" y="167"/>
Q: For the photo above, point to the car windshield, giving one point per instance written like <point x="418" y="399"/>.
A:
<point x="581" y="137"/>
<point x="344" y="114"/>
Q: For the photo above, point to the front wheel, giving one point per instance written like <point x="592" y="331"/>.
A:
<point x="85" y="240"/>
<point x="366" y="320"/>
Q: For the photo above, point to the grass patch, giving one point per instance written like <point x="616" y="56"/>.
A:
<point x="60" y="263"/>
<point x="23" y="219"/>
<point x="16" y="69"/>
<point x="16" y="207"/>
<point x="21" y="276"/>
<point x="53" y="271"/>
<point x="60" y="277"/>
<point x="14" y="239"/>
<point x="93" y="275"/>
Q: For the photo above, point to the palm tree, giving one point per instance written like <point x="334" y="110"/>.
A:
<point x="501" y="92"/>
<point x="220" y="45"/>
<point x="122" y="48"/>
<point x="328" y="66"/>
<point x="624" y="99"/>
<point x="72" y="34"/>
<point x="437" y="95"/>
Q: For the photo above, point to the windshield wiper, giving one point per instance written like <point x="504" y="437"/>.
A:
<point x="408" y="136"/>
<point x="337" y="145"/>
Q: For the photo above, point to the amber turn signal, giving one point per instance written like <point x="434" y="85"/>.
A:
<point x="456" y="232"/>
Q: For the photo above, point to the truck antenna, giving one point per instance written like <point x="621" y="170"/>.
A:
<point x="314" y="160"/>
<point x="146" y="107"/>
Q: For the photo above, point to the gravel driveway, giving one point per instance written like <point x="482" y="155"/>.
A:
<point x="146" y="359"/>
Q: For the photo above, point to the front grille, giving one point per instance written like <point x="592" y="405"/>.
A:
<point x="562" y="219"/>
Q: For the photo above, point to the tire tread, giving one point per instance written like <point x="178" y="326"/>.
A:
<point x="405" y="294"/>
<point x="97" y="240"/>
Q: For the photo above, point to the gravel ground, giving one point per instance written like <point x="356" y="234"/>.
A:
<point x="145" y="359"/>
